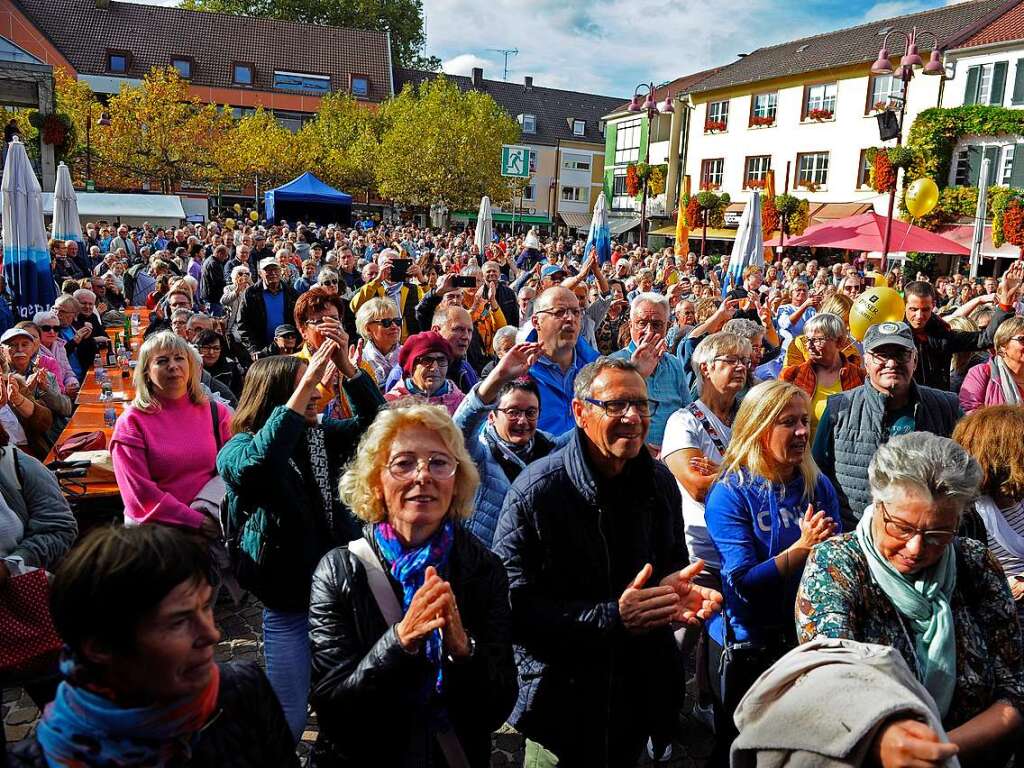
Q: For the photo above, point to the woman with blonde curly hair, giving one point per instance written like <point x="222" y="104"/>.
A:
<point x="410" y="624"/>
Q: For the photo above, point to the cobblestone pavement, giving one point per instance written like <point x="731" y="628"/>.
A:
<point x="242" y="640"/>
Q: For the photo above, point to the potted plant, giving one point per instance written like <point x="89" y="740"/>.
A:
<point x="819" y="114"/>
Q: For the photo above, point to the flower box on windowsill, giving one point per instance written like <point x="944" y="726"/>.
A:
<point x="820" y="115"/>
<point x="762" y="122"/>
<point x="810" y="186"/>
<point x="715" y="126"/>
<point x="755" y="184"/>
<point x="707" y="186"/>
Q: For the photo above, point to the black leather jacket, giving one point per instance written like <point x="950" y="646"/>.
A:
<point x="374" y="701"/>
<point x="248" y="730"/>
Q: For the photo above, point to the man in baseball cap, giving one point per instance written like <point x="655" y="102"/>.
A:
<point x="854" y="423"/>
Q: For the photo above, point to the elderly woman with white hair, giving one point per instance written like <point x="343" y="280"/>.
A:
<point x="96" y="337"/>
<point x="52" y="345"/>
<point x="380" y="330"/>
<point x="905" y="579"/>
<point x="826" y="371"/>
<point x="413" y="617"/>
<point x="165" y="445"/>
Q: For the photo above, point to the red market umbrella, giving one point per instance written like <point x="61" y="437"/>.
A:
<point x="866" y="232"/>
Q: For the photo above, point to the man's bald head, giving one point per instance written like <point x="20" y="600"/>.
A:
<point x="555" y="295"/>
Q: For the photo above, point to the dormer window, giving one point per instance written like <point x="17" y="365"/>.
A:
<point x="528" y="123"/>
<point x="184" y="67"/>
<point x="579" y="127"/>
<point x="242" y="74"/>
<point x="117" y="62"/>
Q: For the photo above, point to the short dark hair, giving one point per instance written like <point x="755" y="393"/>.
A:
<point x="522" y="384"/>
<point x="921" y="289"/>
<point x="117" y="575"/>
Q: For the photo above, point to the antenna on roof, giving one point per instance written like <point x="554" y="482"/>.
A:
<point x="506" y="52"/>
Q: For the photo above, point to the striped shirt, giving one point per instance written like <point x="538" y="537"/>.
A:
<point x="1012" y="565"/>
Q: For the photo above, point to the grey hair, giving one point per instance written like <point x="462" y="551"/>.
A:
<point x="584" y="384"/>
<point x="659" y="300"/>
<point x="325" y="273"/>
<point x="717" y="344"/>
<point x="70" y="301"/>
<point x="83" y="293"/>
<point x="932" y="465"/>
<point x="181" y="313"/>
<point x="502" y="335"/>
<point x="236" y="271"/>
<point x="741" y="326"/>
<point x="831" y="325"/>
<point x="388" y="253"/>
<point x="471" y="270"/>
<point x="40" y="317"/>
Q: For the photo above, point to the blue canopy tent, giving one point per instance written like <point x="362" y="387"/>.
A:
<point x="308" y="198"/>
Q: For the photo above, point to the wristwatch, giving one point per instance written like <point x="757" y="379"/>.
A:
<point x="459" y="660"/>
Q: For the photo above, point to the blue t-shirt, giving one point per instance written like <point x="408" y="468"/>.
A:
<point x="750" y="523"/>
<point x="274" y="302"/>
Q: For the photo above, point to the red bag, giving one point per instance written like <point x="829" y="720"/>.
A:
<point x="81" y="441"/>
<point x="27" y="635"/>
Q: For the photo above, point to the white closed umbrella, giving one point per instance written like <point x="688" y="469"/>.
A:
<point x="26" y="255"/>
<point x="598" y="237"/>
<point x="66" y="223"/>
<point x="748" y="248"/>
<point x="484" y="227"/>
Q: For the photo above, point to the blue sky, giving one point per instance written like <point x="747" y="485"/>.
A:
<point x="608" y="46"/>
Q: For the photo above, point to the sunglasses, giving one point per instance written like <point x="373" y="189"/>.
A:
<point x="47" y="328"/>
<point x="388" y="322"/>
<point x="328" y="282"/>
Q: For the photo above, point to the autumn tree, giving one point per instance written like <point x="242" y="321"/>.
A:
<point x="159" y="133"/>
<point x="258" y="147"/>
<point x="342" y="143"/>
<point x="402" y="18"/>
<point x="442" y="145"/>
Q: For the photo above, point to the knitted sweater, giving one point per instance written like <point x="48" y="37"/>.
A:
<point x="163" y="459"/>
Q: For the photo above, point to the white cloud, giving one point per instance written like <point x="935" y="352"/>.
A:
<point x="463" y="64"/>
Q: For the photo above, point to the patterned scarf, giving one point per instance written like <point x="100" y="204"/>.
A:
<point x="81" y="728"/>
<point x="321" y="469"/>
<point x="409" y="566"/>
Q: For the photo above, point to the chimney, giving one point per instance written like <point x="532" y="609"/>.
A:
<point x="103" y="4"/>
<point x="528" y="83"/>
<point x="478" y="77"/>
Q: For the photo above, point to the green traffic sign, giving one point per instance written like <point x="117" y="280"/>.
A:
<point x="90" y="185"/>
<point x="515" y="161"/>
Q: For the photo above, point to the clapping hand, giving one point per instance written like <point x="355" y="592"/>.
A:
<point x="517" y="361"/>
<point x="648" y="352"/>
<point x="319" y="364"/>
<point x="703" y="466"/>
<point x="1010" y="283"/>
<point x="644" y="608"/>
<point x="696" y="603"/>
<point x="910" y="744"/>
<point x="815" y="527"/>
<point x="428" y="611"/>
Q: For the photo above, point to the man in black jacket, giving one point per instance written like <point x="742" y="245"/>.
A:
<point x="936" y="342"/>
<point x="211" y="287"/>
<point x="506" y="296"/>
<point x="592" y="542"/>
<point x="265" y="306"/>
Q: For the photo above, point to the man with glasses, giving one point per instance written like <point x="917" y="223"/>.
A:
<point x="854" y="423"/>
<point x="666" y="381"/>
<point x="592" y="541"/>
<point x="556" y="322"/>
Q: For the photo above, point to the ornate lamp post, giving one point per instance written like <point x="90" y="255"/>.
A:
<point x="647" y="104"/>
<point x="104" y="121"/>
<point x="910" y="61"/>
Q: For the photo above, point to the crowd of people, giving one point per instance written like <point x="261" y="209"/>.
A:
<point x="522" y="486"/>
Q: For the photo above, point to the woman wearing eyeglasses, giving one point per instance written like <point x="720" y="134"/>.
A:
<point x="906" y="580"/>
<point x="1000" y="380"/>
<point x="281" y="470"/>
<point x="425" y="359"/>
<point x="52" y="345"/>
<point x="768" y="507"/>
<point x="410" y="624"/>
<point x="380" y="329"/>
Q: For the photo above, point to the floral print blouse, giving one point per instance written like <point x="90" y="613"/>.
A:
<point x="838" y="598"/>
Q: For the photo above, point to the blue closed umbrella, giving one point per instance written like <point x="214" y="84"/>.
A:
<point x="599" y="236"/>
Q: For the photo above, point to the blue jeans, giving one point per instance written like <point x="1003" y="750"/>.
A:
<point x="287" y="651"/>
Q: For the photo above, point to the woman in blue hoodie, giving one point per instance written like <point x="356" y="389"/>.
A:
<point x="769" y="506"/>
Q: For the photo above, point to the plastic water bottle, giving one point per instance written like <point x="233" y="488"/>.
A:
<point x="136" y="323"/>
<point x="110" y="415"/>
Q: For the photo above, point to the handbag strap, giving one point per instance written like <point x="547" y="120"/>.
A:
<point x="706" y="424"/>
<point x="216" y="424"/>
<point x="387" y="602"/>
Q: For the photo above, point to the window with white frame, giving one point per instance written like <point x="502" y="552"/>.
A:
<point x="528" y="193"/>
<point x="884" y="89"/>
<point x="764" y="106"/>
<point x="579" y="127"/>
<point x="756" y="170"/>
<point x="528" y="123"/>
<point x="575" y="162"/>
<point x="533" y="161"/>
<point x="821" y="97"/>
<point x="627" y="142"/>
<point x="711" y="173"/>
<point x="812" y="169"/>
<point x="984" y="84"/>
<point x="1006" y="165"/>
<point x="1001" y="156"/>
<point x="718" y="115"/>
<point x="574" y="195"/>
<point x="864" y="171"/>
<point x="621" y="199"/>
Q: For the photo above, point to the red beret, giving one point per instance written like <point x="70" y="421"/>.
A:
<point x="420" y="344"/>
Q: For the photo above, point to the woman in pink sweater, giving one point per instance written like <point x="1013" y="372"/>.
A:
<point x="1000" y="381"/>
<point x="165" y="445"/>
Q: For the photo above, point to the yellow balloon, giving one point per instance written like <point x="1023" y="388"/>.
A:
<point x="254" y="216"/>
<point x="237" y="207"/>
<point x="876" y="279"/>
<point x="229" y="223"/>
<point x="875" y="305"/>
<point x="921" y="197"/>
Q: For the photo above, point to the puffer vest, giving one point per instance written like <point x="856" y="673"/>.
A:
<point x="858" y="417"/>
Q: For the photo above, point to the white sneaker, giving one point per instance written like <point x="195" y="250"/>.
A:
<point x="666" y="753"/>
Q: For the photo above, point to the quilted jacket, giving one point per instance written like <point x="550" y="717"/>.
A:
<point x="580" y="672"/>
<point x="375" y="703"/>
<point x="247" y="730"/>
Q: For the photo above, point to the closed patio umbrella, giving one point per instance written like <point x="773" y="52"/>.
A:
<point x="599" y="236"/>
<point x="484" y="227"/>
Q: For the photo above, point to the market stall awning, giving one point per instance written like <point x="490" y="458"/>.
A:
<point x="106" y="205"/>
<point x="576" y="220"/>
<point x="303" y="191"/>
<point x="619" y="224"/>
<point x="867" y="233"/>
<point x="964" y="235"/>
<point x="505" y="218"/>
<point x="832" y="211"/>
<point x="713" y="234"/>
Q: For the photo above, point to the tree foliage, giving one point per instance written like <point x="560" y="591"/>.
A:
<point x="440" y="145"/>
<point x="258" y="146"/>
<point x="342" y="143"/>
<point x="402" y="18"/>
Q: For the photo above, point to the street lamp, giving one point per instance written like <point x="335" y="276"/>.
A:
<point x="910" y="61"/>
<point x="103" y="121"/>
<point x="648" y="104"/>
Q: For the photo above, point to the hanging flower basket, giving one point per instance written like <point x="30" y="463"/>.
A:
<point x="820" y="114"/>
<point x="632" y="181"/>
<point x="714" y="126"/>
